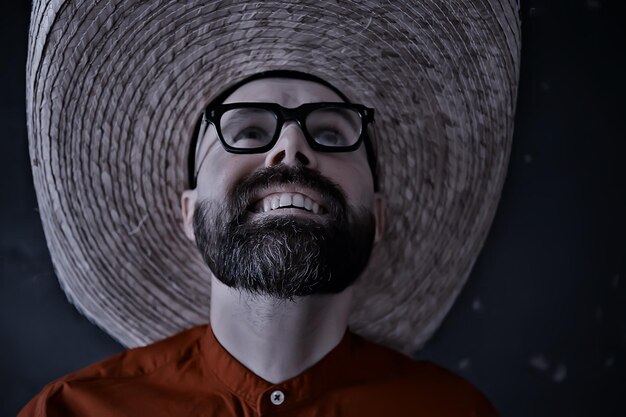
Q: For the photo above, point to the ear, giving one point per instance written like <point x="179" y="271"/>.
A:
<point x="380" y="215"/>
<point x="188" y="205"/>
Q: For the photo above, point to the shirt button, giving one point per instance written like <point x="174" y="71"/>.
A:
<point x="277" y="397"/>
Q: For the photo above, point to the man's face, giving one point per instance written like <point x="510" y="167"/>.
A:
<point x="236" y="217"/>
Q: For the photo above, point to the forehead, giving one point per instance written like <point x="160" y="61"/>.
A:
<point x="287" y="92"/>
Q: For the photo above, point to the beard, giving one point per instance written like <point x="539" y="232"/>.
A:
<point x="284" y="256"/>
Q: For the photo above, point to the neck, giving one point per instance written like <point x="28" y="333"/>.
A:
<point x="278" y="339"/>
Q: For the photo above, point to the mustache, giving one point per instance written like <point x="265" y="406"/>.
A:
<point x="242" y="193"/>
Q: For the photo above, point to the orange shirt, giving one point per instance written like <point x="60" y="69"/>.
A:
<point x="191" y="374"/>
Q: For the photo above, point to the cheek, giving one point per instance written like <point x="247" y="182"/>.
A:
<point x="222" y="172"/>
<point x="354" y="176"/>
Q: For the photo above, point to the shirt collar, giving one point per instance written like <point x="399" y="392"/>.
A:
<point x="330" y="371"/>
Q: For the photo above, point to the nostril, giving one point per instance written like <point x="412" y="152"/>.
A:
<point x="278" y="158"/>
<point x="302" y="158"/>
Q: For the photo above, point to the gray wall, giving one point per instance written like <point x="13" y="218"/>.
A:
<point x="541" y="325"/>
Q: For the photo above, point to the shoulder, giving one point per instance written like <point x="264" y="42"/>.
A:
<point x="410" y="383"/>
<point x="138" y="366"/>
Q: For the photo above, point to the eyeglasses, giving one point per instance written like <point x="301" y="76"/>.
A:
<point x="256" y="127"/>
<point x="247" y="128"/>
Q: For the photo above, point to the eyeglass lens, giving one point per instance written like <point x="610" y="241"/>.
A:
<point x="251" y="127"/>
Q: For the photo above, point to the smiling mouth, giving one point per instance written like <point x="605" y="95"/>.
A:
<point x="294" y="201"/>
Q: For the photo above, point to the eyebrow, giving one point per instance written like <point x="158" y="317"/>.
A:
<point x="343" y="113"/>
<point x="244" y="114"/>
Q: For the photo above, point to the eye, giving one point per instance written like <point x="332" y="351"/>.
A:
<point x="334" y="126"/>
<point x="248" y="127"/>
<point x="250" y="133"/>
<point x="329" y="137"/>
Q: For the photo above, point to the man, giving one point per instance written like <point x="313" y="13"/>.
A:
<point x="285" y="212"/>
<point x="285" y="232"/>
<point x="296" y="230"/>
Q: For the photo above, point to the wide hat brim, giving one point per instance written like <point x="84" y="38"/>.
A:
<point x="114" y="89"/>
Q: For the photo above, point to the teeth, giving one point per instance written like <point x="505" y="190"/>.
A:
<point x="288" y="199"/>
<point x="297" y="200"/>
<point x="285" y="200"/>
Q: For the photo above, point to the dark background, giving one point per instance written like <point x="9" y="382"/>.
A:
<point x="540" y="327"/>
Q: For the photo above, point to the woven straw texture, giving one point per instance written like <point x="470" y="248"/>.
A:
<point x="114" y="89"/>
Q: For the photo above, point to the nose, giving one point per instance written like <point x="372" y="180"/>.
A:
<point x="291" y="148"/>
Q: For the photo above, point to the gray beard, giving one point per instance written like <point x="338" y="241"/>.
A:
<point x="284" y="256"/>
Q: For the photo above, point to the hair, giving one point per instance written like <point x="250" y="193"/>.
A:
<point x="284" y="256"/>
<point x="367" y="140"/>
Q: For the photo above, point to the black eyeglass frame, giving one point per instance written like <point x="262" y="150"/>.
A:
<point x="283" y="114"/>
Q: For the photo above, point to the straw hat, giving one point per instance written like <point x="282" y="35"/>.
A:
<point x="115" y="87"/>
